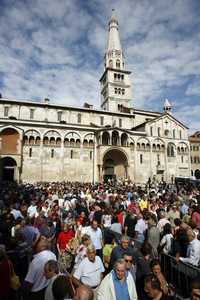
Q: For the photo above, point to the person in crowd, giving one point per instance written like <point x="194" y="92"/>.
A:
<point x="163" y="220"/>
<point x="193" y="250"/>
<point x="196" y="216"/>
<point x="129" y="224"/>
<point x="62" y="288"/>
<point x="65" y="235"/>
<point x="82" y="250"/>
<point x="35" y="281"/>
<point x="29" y="232"/>
<point x="143" y="267"/>
<point x="167" y="239"/>
<point x="153" y="288"/>
<point x="90" y="270"/>
<point x="153" y="233"/>
<point x="115" y="226"/>
<point x="140" y="228"/>
<point x="5" y="272"/>
<point x="109" y="244"/>
<point x="96" y="237"/>
<point x="173" y="213"/>
<point x="156" y="270"/>
<point x="51" y="271"/>
<point x="130" y="266"/>
<point x="84" y="292"/>
<point x="118" y="284"/>
<point x="119" y="250"/>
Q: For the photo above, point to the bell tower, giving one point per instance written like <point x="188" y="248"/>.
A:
<point x="115" y="81"/>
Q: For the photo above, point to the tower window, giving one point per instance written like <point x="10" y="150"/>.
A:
<point x="174" y="134"/>
<point x="171" y="150"/>
<point x="120" y="123"/>
<point x="158" y="131"/>
<point x="30" y="152"/>
<point x="158" y="159"/>
<point x="52" y="153"/>
<point x="31" y="113"/>
<point x="123" y="91"/>
<point x="59" y="115"/>
<point x="141" y="158"/>
<point x="118" y="64"/>
<point x="79" y="118"/>
<point x="180" y="134"/>
<point x="102" y="120"/>
<point x="115" y="90"/>
<point x="110" y="63"/>
<point x="71" y="154"/>
<point x="115" y="76"/>
<point x="151" y="131"/>
<point x="181" y="158"/>
<point x="90" y="155"/>
<point x="6" y="110"/>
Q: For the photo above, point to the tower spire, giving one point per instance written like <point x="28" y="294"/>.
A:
<point x="115" y="81"/>
<point x="114" y="54"/>
<point x="167" y="107"/>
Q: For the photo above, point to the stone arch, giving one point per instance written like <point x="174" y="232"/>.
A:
<point x="51" y="133"/>
<point x="8" y="169"/>
<point x="115" y="138"/>
<point x="124" y="139"/>
<point x="32" y="132"/>
<point x="9" y="141"/>
<point x="131" y="143"/>
<point x="182" y="148"/>
<point x="197" y="173"/>
<point x="72" y="135"/>
<point x="105" y="138"/>
<point x="171" y="149"/>
<point x="158" y="145"/>
<point x="115" y="164"/>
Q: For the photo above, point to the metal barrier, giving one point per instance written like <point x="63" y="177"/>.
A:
<point x="179" y="274"/>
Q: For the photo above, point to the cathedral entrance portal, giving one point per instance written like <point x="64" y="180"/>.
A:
<point x="7" y="169"/>
<point x="115" y="165"/>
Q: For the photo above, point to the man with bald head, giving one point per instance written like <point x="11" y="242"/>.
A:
<point x="84" y="292"/>
<point x="35" y="281"/>
<point x="193" y="250"/>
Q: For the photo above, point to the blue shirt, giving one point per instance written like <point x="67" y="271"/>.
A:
<point x="121" y="287"/>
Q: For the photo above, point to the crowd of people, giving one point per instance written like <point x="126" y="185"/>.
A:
<point x="82" y="241"/>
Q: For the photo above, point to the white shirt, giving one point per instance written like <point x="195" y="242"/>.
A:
<point x="161" y="223"/>
<point x="140" y="226"/>
<point x="193" y="253"/>
<point x="95" y="236"/>
<point x="35" y="273"/>
<point x="32" y="210"/>
<point x="167" y="240"/>
<point x="48" y="292"/>
<point x="16" y="213"/>
<point x="89" y="273"/>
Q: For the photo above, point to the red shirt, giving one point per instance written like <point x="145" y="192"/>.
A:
<point x="64" y="238"/>
<point x="196" y="219"/>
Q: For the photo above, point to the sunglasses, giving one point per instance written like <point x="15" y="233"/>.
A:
<point x="128" y="260"/>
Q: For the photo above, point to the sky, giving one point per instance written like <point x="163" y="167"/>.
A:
<point x="55" y="49"/>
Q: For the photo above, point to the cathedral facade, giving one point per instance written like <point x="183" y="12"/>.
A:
<point x="42" y="141"/>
